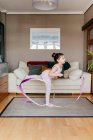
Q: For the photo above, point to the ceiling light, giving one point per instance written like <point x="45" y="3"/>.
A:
<point x="45" y="4"/>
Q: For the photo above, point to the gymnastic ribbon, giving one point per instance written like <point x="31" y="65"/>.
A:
<point x="21" y="89"/>
<point x="42" y="105"/>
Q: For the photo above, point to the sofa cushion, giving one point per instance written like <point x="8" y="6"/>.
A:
<point x="67" y="82"/>
<point x="35" y="69"/>
<point x="20" y="73"/>
<point x="58" y="82"/>
<point x="75" y="74"/>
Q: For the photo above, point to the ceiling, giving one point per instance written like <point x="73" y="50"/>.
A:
<point x="64" y="7"/>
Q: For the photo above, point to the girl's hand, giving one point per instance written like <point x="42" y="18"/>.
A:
<point x="60" y="74"/>
<point x="56" y="77"/>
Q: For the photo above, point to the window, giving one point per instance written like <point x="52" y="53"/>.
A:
<point x="45" y="38"/>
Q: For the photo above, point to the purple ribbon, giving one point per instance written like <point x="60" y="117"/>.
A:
<point x="21" y="89"/>
<point x="30" y="99"/>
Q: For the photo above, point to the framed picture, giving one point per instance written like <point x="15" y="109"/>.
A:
<point x="45" y="38"/>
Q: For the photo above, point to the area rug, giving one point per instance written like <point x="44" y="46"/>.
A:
<point x="20" y="107"/>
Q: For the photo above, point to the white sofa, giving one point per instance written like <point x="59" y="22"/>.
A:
<point x="67" y="85"/>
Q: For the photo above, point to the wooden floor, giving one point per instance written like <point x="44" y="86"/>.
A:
<point x="45" y="128"/>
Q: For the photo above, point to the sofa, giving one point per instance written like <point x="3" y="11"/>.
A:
<point x="71" y="82"/>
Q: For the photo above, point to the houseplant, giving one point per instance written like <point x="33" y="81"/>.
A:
<point x="90" y="63"/>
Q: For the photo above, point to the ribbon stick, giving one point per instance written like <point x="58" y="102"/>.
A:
<point x="81" y="89"/>
<point x="52" y="105"/>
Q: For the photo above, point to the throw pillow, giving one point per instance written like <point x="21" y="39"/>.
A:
<point x="51" y="64"/>
<point x="35" y="69"/>
<point x="66" y="66"/>
<point x="20" y="73"/>
<point x="66" y="74"/>
<point x="73" y="66"/>
<point x="44" y="68"/>
<point x="75" y="74"/>
<point x="23" y="65"/>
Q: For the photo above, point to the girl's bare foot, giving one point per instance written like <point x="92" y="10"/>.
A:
<point x="49" y="104"/>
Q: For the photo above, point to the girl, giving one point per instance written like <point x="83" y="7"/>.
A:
<point x="49" y="74"/>
<point x="55" y="72"/>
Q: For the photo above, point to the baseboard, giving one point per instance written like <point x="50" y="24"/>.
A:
<point x="14" y="93"/>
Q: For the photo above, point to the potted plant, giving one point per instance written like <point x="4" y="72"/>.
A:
<point x="90" y="63"/>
